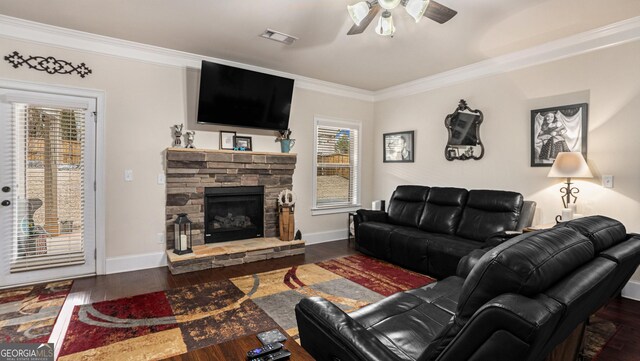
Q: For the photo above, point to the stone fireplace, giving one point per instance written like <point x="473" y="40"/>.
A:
<point x="192" y="173"/>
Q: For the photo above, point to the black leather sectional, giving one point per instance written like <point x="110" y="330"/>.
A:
<point x="516" y="301"/>
<point x="429" y="229"/>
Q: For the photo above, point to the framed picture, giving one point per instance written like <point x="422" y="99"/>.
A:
<point x="226" y="140"/>
<point x="558" y="129"/>
<point x="242" y="143"/>
<point x="398" y="147"/>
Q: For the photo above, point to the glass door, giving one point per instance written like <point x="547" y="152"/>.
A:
<point x="47" y="172"/>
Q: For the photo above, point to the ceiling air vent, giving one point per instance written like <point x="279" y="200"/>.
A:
<point x="278" y="36"/>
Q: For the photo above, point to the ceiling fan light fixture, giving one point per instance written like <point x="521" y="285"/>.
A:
<point x="385" y="24"/>
<point x="416" y="8"/>
<point x="359" y="11"/>
<point x="389" y="4"/>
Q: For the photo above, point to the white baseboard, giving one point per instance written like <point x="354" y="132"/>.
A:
<point x="327" y="236"/>
<point x="136" y="262"/>
<point x="632" y="290"/>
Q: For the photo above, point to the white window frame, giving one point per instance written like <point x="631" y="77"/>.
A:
<point x="339" y="123"/>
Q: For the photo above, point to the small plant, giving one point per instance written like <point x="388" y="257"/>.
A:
<point x="283" y="134"/>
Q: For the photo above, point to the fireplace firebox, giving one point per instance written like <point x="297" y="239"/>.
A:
<point x="232" y="213"/>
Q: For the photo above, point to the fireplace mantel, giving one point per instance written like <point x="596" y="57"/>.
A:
<point x="190" y="171"/>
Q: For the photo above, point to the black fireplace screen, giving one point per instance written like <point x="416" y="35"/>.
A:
<point x="233" y="213"/>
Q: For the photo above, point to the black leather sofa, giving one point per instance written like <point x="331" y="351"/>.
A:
<point x="517" y="302"/>
<point x="429" y="229"/>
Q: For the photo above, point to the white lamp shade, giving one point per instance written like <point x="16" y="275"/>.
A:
<point x="389" y="4"/>
<point x="570" y="165"/>
<point x="358" y="12"/>
<point x="385" y="25"/>
<point x="416" y="8"/>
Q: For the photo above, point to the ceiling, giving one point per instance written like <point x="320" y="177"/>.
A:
<point x="229" y="30"/>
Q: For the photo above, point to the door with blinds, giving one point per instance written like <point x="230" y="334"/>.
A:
<point x="47" y="173"/>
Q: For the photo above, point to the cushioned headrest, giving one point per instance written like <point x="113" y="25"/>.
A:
<point x="406" y="205"/>
<point x="603" y="231"/>
<point x="456" y="197"/>
<point x="410" y="193"/>
<point x="488" y="212"/>
<point x="495" y="201"/>
<point x="527" y="265"/>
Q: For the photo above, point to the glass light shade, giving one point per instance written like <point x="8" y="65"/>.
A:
<point x="570" y="165"/>
<point x="416" y="8"/>
<point x="385" y="25"/>
<point x="389" y="4"/>
<point x="358" y="11"/>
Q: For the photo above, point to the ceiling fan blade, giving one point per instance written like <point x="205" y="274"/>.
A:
<point x="439" y="13"/>
<point x="358" y="29"/>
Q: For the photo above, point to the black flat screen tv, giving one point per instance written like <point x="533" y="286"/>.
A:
<point x="243" y="98"/>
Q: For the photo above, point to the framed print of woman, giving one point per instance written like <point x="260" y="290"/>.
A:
<point x="558" y="129"/>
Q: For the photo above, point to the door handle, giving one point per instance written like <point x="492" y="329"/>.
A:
<point x="6" y="189"/>
<point x="6" y="203"/>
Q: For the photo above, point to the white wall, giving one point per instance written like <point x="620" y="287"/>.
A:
<point x="143" y="101"/>
<point x="606" y="79"/>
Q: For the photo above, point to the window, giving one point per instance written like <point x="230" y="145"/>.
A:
<point x="336" y="177"/>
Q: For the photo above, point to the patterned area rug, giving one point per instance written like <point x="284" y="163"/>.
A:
<point x="163" y="324"/>
<point x="598" y="332"/>
<point x="27" y="314"/>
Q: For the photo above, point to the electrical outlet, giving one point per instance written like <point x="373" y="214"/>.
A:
<point x="607" y="181"/>
<point x="160" y="238"/>
<point x="161" y="179"/>
<point x="128" y="175"/>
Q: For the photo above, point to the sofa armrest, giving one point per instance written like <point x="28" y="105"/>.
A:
<point x="506" y="328"/>
<point x="499" y="238"/>
<point x="367" y="215"/>
<point x="526" y="215"/>
<point x="327" y="333"/>
<point x="469" y="261"/>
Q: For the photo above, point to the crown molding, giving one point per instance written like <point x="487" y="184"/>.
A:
<point x="599" y="38"/>
<point x="20" y="29"/>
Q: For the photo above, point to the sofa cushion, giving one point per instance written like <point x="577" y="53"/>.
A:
<point x="406" y="205"/>
<point x="444" y="252"/>
<point x="408" y="248"/>
<point x="524" y="265"/>
<point x="407" y="321"/>
<point x="603" y="231"/>
<point x="488" y="212"/>
<point x="443" y="210"/>
<point x="374" y="237"/>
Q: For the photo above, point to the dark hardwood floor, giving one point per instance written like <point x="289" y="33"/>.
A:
<point x="625" y="313"/>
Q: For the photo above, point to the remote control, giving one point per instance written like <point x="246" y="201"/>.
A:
<point x="280" y="355"/>
<point x="260" y="351"/>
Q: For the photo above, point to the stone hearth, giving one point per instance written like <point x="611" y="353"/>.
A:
<point x="214" y="255"/>
<point x="190" y="171"/>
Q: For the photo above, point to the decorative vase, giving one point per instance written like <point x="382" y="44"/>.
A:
<point x="286" y="145"/>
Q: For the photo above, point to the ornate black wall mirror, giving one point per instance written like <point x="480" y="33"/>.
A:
<point x="464" y="133"/>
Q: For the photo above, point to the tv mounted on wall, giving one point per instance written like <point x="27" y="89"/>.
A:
<point x="243" y="98"/>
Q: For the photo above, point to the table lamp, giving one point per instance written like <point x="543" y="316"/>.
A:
<point x="569" y="165"/>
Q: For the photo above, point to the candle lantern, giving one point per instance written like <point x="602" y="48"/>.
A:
<point x="182" y="234"/>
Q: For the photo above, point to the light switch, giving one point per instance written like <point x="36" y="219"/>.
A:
<point x="128" y="175"/>
<point x="161" y="178"/>
<point x="607" y="181"/>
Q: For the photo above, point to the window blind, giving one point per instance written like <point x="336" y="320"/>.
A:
<point x="48" y="169"/>
<point x="337" y="165"/>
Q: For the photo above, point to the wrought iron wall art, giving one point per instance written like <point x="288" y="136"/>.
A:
<point x="48" y="64"/>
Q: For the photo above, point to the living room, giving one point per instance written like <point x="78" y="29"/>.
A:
<point x="143" y="74"/>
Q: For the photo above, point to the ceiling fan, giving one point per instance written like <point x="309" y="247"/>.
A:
<point x="362" y="14"/>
